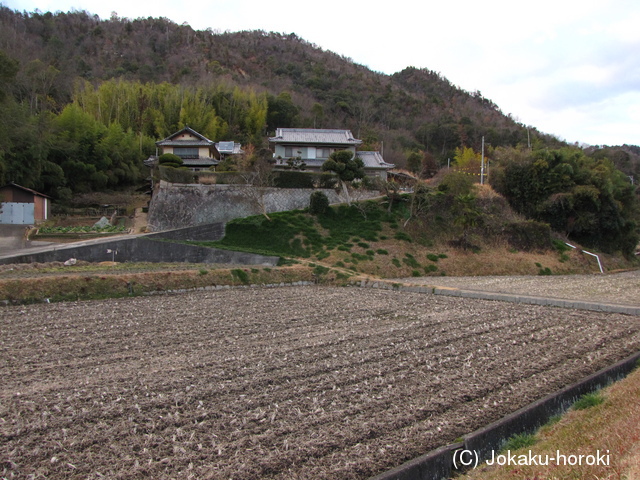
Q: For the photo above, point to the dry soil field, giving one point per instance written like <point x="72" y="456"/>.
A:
<point x="287" y="383"/>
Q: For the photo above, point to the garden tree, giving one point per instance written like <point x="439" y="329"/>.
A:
<point x="258" y="174"/>
<point x="347" y="166"/>
<point x="318" y="203"/>
<point x="228" y="164"/>
<point x="296" y="163"/>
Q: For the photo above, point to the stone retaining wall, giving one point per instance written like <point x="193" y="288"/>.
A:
<point x="181" y="205"/>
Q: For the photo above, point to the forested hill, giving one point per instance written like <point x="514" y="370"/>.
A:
<point x="87" y="98"/>
<point x="411" y="109"/>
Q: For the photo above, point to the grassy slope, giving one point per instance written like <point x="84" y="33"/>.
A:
<point x="367" y="239"/>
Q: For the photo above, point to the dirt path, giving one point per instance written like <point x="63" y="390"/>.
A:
<point x="140" y="221"/>
<point x="293" y="383"/>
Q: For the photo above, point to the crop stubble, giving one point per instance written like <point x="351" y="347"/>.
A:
<point x="299" y="383"/>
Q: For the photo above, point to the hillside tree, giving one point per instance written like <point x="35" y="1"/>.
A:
<point x="347" y="166"/>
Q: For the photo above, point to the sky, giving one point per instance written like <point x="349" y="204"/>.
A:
<point x="570" y="68"/>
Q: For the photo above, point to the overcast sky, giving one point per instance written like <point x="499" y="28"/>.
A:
<point x="567" y="67"/>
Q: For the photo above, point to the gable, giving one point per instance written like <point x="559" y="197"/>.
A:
<point x="186" y="137"/>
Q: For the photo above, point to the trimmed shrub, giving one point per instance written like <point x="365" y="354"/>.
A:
<point x="170" y="160"/>
<point x="318" y="203"/>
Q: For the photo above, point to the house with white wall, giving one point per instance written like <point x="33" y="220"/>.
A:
<point x="314" y="145"/>
<point x="196" y="151"/>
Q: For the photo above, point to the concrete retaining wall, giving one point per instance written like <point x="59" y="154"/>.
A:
<point x="181" y="205"/>
<point x="155" y="247"/>
<point x="206" y="233"/>
<point x="477" y="446"/>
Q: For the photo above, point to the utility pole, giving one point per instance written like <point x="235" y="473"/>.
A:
<point x="482" y="164"/>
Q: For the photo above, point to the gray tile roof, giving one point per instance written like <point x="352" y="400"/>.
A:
<point x="151" y="161"/>
<point x="229" y="148"/>
<point x="199" y="162"/>
<point x="200" y="141"/>
<point x="314" y="135"/>
<point x="184" y="143"/>
<point x="374" y="160"/>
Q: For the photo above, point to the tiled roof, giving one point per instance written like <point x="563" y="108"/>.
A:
<point x="151" y="161"/>
<point x="314" y="135"/>
<point x="374" y="160"/>
<point x="199" y="162"/>
<point x="15" y="185"/>
<point x="229" y="148"/>
<point x="184" y="143"/>
<point x="200" y="140"/>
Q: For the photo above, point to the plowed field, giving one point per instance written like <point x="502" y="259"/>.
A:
<point x="286" y="383"/>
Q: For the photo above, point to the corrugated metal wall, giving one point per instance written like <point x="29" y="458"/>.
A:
<point x="17" y="213"/>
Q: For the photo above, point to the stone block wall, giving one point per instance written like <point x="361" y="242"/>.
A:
<point x="180" y="205"/>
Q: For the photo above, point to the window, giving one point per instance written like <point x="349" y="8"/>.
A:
<point x="186" y="152"/>
<point x="292" y="152"/>
<point x="322" y="153"/>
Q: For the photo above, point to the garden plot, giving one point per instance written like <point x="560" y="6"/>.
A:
<point x="286" y="383"/>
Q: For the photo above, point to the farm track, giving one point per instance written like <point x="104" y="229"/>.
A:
<point x="293" y="383"/>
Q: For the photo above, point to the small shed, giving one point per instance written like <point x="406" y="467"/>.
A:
<point x="23" y="206"/>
